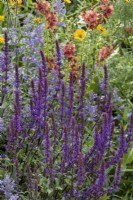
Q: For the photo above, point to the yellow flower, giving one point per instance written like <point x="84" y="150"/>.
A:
<point x="99" y="27"/>
<point x="1" y="40"/>
<point x="13" y="2"/>
<point x="80" y="34"/>
<point x="128" y="1"/>
<point x="104" y="31"/>
<point x="67" y="1"/>
<point x="37" y="20"/>
<point x="2" y="18"/>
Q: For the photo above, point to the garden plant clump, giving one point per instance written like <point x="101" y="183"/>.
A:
<point x="66" y="100"/>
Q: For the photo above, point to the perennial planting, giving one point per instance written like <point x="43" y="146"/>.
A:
<point x="66" y="106"/>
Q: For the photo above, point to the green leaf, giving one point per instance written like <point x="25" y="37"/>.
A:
<point x="105" y="197"/>
<point x="127" y="170"/>
<point x="129" y="157"/>
<point x="49" y="191"/>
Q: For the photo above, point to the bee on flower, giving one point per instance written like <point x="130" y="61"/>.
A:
<point x="101" y="29"/>
<point x="67" y="1"/>
<point x="2" y="18"/>
<point x="1" y="40"/>
<point x="80" y="34"/>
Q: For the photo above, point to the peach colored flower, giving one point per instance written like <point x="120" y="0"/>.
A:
<point x="42" y="7"/>
<point x="105" y="52"/>
<point x="51" y="17"/>
<point x="91" y="18"/>
<point x="107" y="10"/>
<point x="69" y="50"/>
<point x="52" y="20"/>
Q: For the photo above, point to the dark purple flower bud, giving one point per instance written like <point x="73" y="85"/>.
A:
<point x="45" y="99"/>
<point x="29" y="180"/>
<point x="105" y="82"/>
<point x="16" y="81"/>
<point x="65" y="149"/>
<point x="82" y="127"/>
<point x="44" y="65"/>
<point x="71" y="102"/>
<point x="76" y="145"/>
<point x="81" y="169"/>
<point x="58" y="55"/>
<point x="17" y="175"/>
<point x="47" y="144"/>
<point x="35" y="187"/>
<point x="112" y="128"/>
<point x="54" y="130"/>
<point x="98" y="104"/>
<point x="82" y="88"/>
<point x="62" y="103"/>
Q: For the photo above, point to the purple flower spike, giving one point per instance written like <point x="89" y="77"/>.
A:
<point x="81" y="169"/>
<point x="82" y="88"/>
<point x="117" y="178"/>
<point x="65" y="150"/>
<point x="105" y="79"/>
<point x="29" y="180"/>
<point x="44" y="65"/>
<point x="6" y="57"/>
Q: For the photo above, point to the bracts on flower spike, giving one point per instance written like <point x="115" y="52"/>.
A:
<point x="82" y="88"/>
<point x="58" y="62"/>
<point x="44" y="64"/>
<point x="4" y="68"/>
<point x="117" y="178"/>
